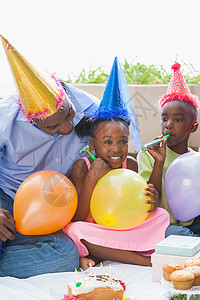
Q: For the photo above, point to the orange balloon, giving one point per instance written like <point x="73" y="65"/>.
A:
<point x="44" y="203"/>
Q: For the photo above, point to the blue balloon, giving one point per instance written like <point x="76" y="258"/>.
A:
<point x="182" y="186"/>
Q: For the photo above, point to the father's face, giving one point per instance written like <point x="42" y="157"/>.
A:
<point x="61" y="122"/>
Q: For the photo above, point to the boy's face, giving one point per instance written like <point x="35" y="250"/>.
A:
<point x="61" y="122"/>
<point x="176" y="119"/>
<point x="110" y="142"/>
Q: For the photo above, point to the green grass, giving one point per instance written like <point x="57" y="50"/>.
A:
<point x="184" y="297"/>
<point x="137" y="73"/>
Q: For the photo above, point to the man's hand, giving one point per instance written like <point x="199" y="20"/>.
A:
<point x="7" y="225"/>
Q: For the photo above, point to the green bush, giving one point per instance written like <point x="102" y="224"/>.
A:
<point x="184" y="297"/>
<point x="138" y="74"/>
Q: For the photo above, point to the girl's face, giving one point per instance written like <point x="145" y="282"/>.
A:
<point x="176" y="119"/>
<point x="110" y="142"/>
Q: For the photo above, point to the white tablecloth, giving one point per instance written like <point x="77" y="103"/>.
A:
<point x="53" y="286"/>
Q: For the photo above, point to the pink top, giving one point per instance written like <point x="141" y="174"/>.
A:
<point x="142" y="237"/>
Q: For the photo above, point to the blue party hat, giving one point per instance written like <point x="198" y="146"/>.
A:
<point x="116" y="102"/>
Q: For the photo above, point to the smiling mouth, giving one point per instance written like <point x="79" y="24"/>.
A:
<point x="115" y="157"/>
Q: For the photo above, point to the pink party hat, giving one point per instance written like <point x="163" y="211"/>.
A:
<point x="178" y="89"/>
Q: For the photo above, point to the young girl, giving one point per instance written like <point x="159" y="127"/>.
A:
<point x="109" y="132"/>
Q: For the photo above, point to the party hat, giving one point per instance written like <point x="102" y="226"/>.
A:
<point x="116" y="102"/>
<point x="178" y="89"/>
<point x="37" y="97"/>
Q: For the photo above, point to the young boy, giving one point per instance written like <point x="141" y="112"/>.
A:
<point x="179" y="110"/>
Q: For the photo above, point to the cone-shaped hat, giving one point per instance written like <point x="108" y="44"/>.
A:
<point x="116" y="102"/>
<point x="37" y="97"/>
<point x="178" y="89"/>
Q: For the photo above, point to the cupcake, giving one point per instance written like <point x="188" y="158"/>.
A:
<point x="169" y="268"/>
<point x="193" y="261"/>
<point x="196" y="271"/>
<point x="182" y="279"/>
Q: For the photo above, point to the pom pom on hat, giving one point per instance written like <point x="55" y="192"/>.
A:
<point x="176" y="66"/>
<point x="178" y="89"/>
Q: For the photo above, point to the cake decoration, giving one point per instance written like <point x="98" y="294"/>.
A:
<point x="66" y="297"/>
<point x="96" y="286"/>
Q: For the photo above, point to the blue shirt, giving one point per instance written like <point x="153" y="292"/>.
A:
<point x="26" y="149"/>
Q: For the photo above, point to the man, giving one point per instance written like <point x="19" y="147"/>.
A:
<point x="37" y="133"/>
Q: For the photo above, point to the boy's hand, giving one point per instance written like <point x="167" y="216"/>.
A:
<point x="158" y="152"/>
<point x="99" y="168"/>
<point x="7" y="225"/>
<point x="151" y="192"/>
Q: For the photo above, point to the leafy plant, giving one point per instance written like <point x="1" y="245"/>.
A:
<point x="179" y="297"/>
<point x="192" y="76"/>
<point x="94" y="76"/>
<point x="142" y="74"/>
<point x="138" y="74"/>
<point x="184" y="297"/>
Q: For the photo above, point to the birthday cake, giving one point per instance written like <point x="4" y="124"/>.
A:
<point x="97" y="287"/>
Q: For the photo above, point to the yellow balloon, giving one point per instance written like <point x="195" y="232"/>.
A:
<point x="118" y="199"/>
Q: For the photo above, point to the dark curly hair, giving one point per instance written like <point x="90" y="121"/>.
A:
<point x="87" y="126"/>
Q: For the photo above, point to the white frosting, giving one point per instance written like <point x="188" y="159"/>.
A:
<point x="90" y="283"/>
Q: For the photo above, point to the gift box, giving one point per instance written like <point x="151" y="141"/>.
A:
<point x="179" y="245"/>
<point x="176" y="249"/>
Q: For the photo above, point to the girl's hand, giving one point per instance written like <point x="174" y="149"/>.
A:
<point x="99" y="168"/>
<point x="151" y="192"/>
<point x="158" y="152"/>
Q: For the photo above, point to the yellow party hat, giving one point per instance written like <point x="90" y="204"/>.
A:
<point x="37" y="97"/>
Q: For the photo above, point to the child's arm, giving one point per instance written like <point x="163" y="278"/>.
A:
<point x="158" y="152"/>
<point x="132" y="164"/>
<point x="150" y="191"/>
<point x="85" y="181"/>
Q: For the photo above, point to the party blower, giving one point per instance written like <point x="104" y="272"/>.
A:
<point x="87" y="149"/>
<point x="155" y="142"/>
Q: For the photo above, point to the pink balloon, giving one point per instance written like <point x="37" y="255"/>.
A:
<point x="182" y="186"/>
